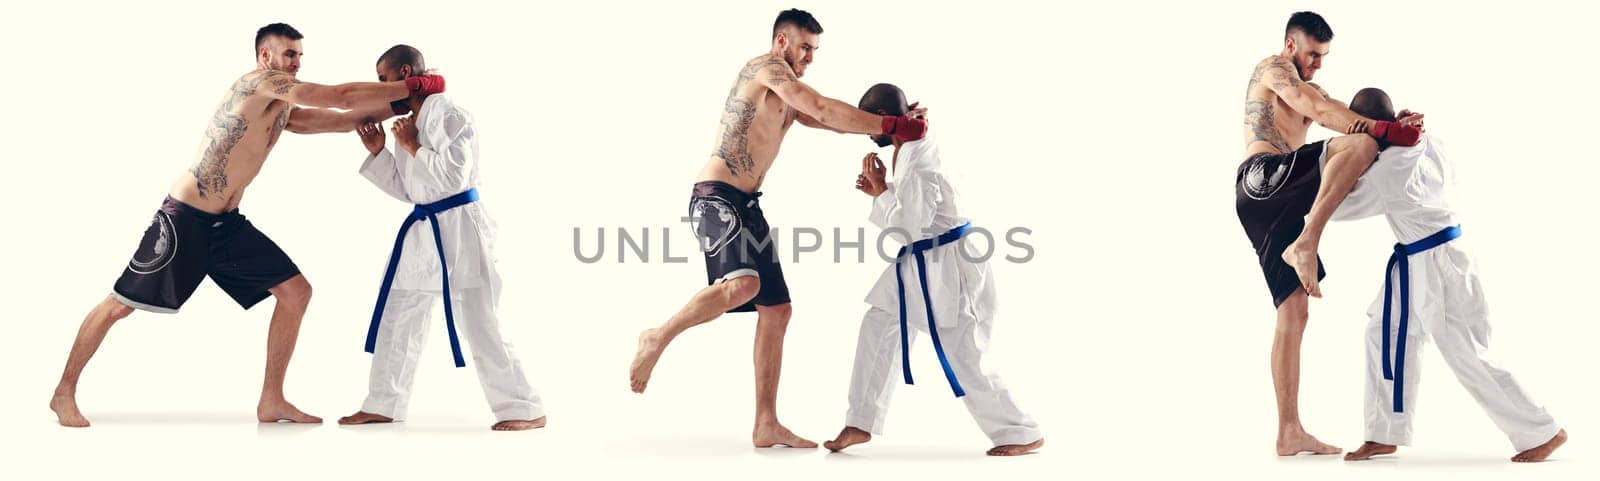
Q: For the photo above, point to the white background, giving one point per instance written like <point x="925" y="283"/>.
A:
<point x="1138" y="336"/>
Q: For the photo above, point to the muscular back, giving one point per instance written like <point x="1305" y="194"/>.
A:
<point x="237" y="140"/>
<point x="754" y="120"/>
<point x="1270" y="124"/>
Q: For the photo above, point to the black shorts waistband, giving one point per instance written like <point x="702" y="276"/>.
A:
<point x="717" y="188"/>
<point x="177" y="208"/>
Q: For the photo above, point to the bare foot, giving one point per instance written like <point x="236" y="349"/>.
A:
<point x="1303" y="258"/>
<point x="518" y="424"/>
<point x="1292" y="443"/>
<point x="363" y="417"/>
<point x="1368" y="450"/>
<point x="66" y="408"/>
<point x="1016" y="449"/>
<point x="847" y="437"/>
<point x="775" y="434"/>
<point x="271" y="412"/>
<point x="1540" y="452"/>
<point x="645" y="360"/>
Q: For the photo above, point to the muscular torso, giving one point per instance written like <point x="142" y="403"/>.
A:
<point x="237" y="140"/>
<point x="1270" y="125"/>
<point x="754" y="120"/>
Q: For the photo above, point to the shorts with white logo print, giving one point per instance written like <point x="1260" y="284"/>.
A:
<point x="1272" y="194"/>
<point x="183" y="245"/>
<point x="736" y="240"/>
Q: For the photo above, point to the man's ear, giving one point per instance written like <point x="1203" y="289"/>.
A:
<point x="405" y="71"/>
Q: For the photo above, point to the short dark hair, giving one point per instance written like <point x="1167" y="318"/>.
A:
<point x="1310" y="24"/>
<point x="797" y="18"/>
<point x="278" y="29"/>
<point x="1374" y="104"/>
<point x="884" y="99"/>
<point x="403" y="54"/>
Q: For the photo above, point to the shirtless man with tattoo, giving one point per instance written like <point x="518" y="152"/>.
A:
<point x="1278" y="185"/>
<point x="741" y="258"/>
<point x="198" y="231"/>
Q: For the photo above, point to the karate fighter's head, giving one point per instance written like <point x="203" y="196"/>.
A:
<point x="884" y="99"/>
<point x="1373" y="103"/>
<point x="398" y="63"/>
<point x="1305" y="41"/>
<point x="278" y="48"/>
<point x="795" y="36"/>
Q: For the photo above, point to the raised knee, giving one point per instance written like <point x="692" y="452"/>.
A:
<point x="1364" y="145"/>
<point x="742" y="289"/>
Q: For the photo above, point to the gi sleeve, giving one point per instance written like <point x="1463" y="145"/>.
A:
<point x="1365" y="200"/>
<point x="907" y="207"/>
<point x="446" y="153"/>
<point x="380" y="169"/>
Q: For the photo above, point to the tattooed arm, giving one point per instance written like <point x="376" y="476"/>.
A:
<point x="833" y="114"/>
<point x="282" y="86"/>
<point x="1326" y="96"/>
<point x="319" y="121"/>
<point x="1310" y="100"/>
<point x="807" y="121"/>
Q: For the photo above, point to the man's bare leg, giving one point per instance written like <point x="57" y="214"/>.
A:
<point x="1292" y="437"/>
<point x="95" y="326"/>
<point x="363" y="417"/>
<point x="292" y="297"/>
<point x="847" y="437"/>
<point x="518" y="424"/>
<point x="1348" y="157"/>
<point x="706" y="305"/>
<point x="1542" y="451"/>
<point x="1016" y="449"/>
<point x="771" y="324"/>
<point x="1370" y="449"/>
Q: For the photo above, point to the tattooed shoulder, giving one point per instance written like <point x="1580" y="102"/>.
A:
<point x="778" y="72"/>
<point x="280" y="82"/>
<point x="1284" y="74"/>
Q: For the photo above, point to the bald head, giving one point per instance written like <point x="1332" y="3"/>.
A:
<point x="402" y="55"/>
<point x="884" y="99"/>
<point x="1374" y="104"/>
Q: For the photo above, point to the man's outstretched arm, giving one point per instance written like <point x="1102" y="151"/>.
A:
<point x="1310" y="100"/>
<point x="812" y="106"/>
<point x="320" y="121"/>
<point x="282" y="86"/>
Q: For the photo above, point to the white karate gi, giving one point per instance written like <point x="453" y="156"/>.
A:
<point x="921" y="202"/>
<point x="445" y="165"/>
<point x="1410" y="186"/>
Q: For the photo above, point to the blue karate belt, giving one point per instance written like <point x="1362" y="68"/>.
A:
<point x="1401" y="258"/>
<point x="916" y="249"/>
<point x="430" y="213"/>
